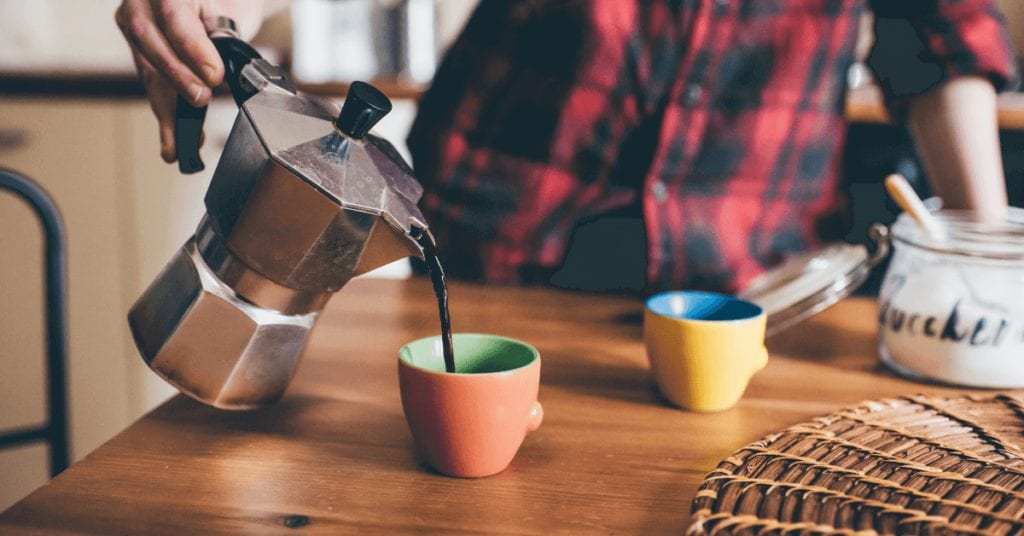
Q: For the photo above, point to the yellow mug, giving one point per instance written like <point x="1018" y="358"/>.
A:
<point x="703" y="347"/>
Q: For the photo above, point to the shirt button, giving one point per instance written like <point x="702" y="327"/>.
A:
<point x="659" y="191"/>
<point x="692" y="95"/>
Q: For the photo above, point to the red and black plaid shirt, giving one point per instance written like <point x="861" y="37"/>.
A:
<point x="722" y="120"/>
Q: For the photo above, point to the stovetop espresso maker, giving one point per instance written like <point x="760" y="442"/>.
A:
<point x="302" y="200"/>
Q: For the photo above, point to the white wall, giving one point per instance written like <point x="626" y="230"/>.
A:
<point x="64" y="35"/>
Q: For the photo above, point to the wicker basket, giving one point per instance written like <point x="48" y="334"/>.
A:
<point x="914" y="465"/>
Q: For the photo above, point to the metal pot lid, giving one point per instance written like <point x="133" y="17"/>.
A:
<point x="809" y="283"/>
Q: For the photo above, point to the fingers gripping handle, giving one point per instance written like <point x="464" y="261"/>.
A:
<point x="188" y="121"/>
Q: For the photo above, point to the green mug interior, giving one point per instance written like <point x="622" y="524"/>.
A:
<point x="475" y="353"/>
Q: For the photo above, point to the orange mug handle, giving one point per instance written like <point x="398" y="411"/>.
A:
<point x="535" y="418"/>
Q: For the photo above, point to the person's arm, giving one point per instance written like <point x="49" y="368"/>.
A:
<point x="940" y="64"/>
<point x="173" y="54"/>
<point x="955" y="131"/>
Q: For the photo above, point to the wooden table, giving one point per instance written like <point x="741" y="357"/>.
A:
<point x="335" y="455"/>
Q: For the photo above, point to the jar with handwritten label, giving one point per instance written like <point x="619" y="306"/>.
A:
<point x="952" y="310"/>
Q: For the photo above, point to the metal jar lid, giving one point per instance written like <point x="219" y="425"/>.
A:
<point x="809" y="283"/>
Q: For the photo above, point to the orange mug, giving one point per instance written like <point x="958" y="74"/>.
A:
<point x="470" y="423"/>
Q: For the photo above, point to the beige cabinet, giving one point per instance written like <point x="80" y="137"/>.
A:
<point x="125" y="212"/>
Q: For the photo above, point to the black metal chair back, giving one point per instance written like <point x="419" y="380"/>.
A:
<point x="54" y="431"/>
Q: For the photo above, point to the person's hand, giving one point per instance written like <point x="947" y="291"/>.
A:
<point x="174" y="55"/>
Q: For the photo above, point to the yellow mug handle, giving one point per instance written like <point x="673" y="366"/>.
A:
<point x="760" y="360"/>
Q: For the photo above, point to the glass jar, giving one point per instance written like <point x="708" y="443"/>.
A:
<point x="952" y="309"/>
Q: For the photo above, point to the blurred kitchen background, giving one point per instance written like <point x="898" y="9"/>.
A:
<point x="74" y="118"/>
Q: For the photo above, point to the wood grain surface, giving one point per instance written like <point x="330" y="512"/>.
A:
<point x="865" y="105"/>
<point x="335" y="455"/>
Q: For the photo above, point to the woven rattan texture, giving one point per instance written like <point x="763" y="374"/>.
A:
<point x="913" y="465"/>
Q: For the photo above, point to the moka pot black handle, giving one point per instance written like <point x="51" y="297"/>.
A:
<point x="188" y="121"/>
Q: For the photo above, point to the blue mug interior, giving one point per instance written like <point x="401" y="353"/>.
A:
<point x="694" y="305"/>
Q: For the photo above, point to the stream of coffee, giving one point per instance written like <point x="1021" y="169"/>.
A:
<point x="441" y="291"/>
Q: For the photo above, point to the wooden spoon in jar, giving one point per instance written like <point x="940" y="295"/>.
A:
<point x="907" y="199"/>
<point x="905" y="196"/>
